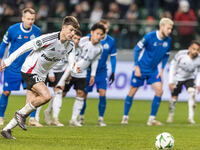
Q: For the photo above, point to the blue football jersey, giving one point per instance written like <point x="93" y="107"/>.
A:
<point x="16" y="36"/>
<point x="150" y="51"/>
<point x="109" y="48"/>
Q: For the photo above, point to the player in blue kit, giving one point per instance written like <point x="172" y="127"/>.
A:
<point x="16" y="36"/>
<point x="148" y="53"/>
<point x="109" y="49"/>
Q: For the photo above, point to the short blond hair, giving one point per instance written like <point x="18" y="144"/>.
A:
<point x="29" y="10"/>
<point x="164" y="21"/>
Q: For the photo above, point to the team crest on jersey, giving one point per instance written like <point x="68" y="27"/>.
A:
<point x="19" y="37"/>
<point x="106" y="46"/>
<point x="32" y="36"/>
<point x="39" y="43"/>
<point x="165" y="44"/>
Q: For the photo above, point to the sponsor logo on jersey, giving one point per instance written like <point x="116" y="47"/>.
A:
<point x="165" y="44"/>
<point x="106" y="46"/>
<point x="54" y="59"/>
<point x="32" y="36"/>
<point x="19" y="37"/>
<point x="39" y="43"/>
<point x="155" y="44"/>
<point x="26" y="37"/>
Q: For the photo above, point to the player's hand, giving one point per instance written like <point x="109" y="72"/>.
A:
<point x="52" y="79"/>
<point x="112" y="78"/>
<point x="171" y="87"/>
<point x="160" y="74"/>
<point x="137" y="71"/>
<point x="91" y="80"/>
<point x="2" y="67"/>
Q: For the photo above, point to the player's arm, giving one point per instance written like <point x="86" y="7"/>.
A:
<point x="137" y="50"/>
<point x="172" y="72"/>
<point x="113" y="61"/>
<point x="4" y="43"/>
<point x="70" y="66"/>
<point x="198" y="79"/>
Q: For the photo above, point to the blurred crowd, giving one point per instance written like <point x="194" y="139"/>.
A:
<point x="130" y="10"/>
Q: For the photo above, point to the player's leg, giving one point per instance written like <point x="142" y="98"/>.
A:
<point x="172" y="106"/>
<point x="79" y="86"/>
<point x="6" y="131"/>
<point x="11" y="82"/>
<point x="3" y="105"/>
<point x="34" y="118"/>
<point x="102" y="106"/>
<point x="157" y="86"/>
<point x="87" y="90"/>
<point x="173" y="100"/>
<point x="192" y="101"/>
<point x="56" y="107"/>
<point x="135" y="83"/>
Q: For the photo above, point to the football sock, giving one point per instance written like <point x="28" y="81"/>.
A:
<point x="102" y="105"/>
<point x="172" y="105"/>
<point x="49" y="107"/>
<point x="11" y="124"/>
<point x="57" y="103"/>
<point x="191" y="102"/>
<point x="127" y="105"/>
<point x="84" y="107"/>
<point x="78" y="105"/>
<point x="3" y="104"/>
<point x="27" y="109"/>
<point x="155" y="105"/>
<point x="37" y="114"/>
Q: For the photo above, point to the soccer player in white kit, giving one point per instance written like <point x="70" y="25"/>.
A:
<point x="54" y="76"/>
<point x="182" y="70"/>
<point x="46" y="51"/>
<point x="90" y="55"/>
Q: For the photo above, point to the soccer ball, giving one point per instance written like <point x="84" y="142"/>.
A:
<point x="164" y="141"/>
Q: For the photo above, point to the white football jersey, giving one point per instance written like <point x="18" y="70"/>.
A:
<point x="47" y="51"/>
<point x="90" y="54"/>
<point x="182" y="67"/>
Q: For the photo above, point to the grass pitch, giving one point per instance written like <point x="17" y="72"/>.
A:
<point x="134" y="136"/>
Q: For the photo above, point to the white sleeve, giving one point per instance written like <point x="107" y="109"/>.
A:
<point x="172" y="71"/>
<point x="71" y="60"/>
<point x="28" y="46"/>
<point x="94" y="66"/>
<point x="198" y="77"/>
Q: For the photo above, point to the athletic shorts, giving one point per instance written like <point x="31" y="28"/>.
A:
<point x="12" y="80"/>
<point x="58" y="76"/>
<point x="78" y="83"/>
<point x="31" y="79"/>
<point x="178" y="87"/>
<point x="100" y="82"/>
<point x="139" y="81"/>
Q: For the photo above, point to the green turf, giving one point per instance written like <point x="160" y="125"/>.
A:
<point x="134" y="136"/>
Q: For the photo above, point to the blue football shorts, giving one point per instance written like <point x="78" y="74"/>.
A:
<point x="139" y="81"/>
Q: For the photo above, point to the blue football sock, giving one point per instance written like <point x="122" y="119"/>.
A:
<point x="84" y="107"/>
<point x="155" y="105"/>
<point x="127" y="105"/>
<point x="3" y="104"/>
<point x="32" y="115"/>
<point x="102" y="105"/>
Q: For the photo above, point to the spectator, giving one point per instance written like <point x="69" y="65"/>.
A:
<point x="114" y="11"/>
<point x="152" y="7"/>
<point x="186" y="30"/>
<point x="96" y="13"/>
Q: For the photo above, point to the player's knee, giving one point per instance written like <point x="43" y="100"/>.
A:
<point x="159" y="92"/>
<point x="6" y="93"/>
<point x="102" y="92"/>
<point x="80" y="93"/>
<point x="48" y="96"/>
